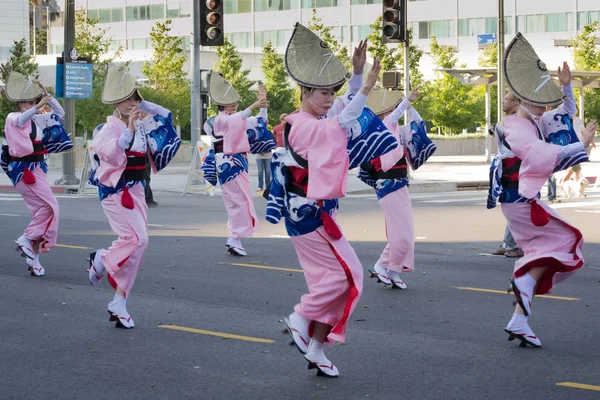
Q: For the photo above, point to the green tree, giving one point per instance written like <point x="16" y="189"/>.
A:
<point x="489" y="56"/>
<point x="230" y="65"/>
<point x="165" y="73"/>
<point x="317" y="25"/>
<point x="451" y="104"/>
<point x="281" y="96"/>
<point x="95" y="43"/>
<point x="586" y="54"/>
<point x="41" y="41"/>
<point x="20" y="60"/>
<point x="165" y="70"/>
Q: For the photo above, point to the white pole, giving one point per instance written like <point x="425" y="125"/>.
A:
<point x="582" y="103"/>
<point x="196" y="106"/>
<point x="488" y="139"/>
<point x="500" y="41"/>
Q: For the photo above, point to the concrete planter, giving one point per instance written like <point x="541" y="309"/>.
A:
<point x="462" y="147"/>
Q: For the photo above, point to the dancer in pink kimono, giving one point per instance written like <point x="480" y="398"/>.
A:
<point x="30" y="136"/>
<point x="308" y="177"/>
<point x="553" y="247"/>
<point x="230" y="147"/>
<point x="388" y="175"/>
<point x="121" y="145"/>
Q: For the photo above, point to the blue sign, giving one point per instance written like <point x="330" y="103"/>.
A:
<point x="488" y="38"/>
<point x="60" y="78"/>
<point x="78" y="80"/>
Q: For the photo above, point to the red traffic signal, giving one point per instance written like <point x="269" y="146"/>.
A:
<point x="211" y="23"/>
<point x="394" y="21"/>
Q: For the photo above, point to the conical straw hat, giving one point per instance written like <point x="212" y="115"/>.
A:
<point x="19" y="88"/>
<point x="119" y="85"/>
<point x="310" y="62"/>
<point x="220" y="91"/>
<point x="527" y="75"/>
<point x="381" y="100"/>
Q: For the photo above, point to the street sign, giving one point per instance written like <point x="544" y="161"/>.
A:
<point x="78" y="79"/>
<point x="487" y="39"/>
<point x="74" y="78"/>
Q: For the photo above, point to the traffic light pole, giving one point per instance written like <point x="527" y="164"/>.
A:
<point x="196" y="106"/>
<point x="406" y="66"/>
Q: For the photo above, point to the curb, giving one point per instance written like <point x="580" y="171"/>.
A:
<point x="55" y="189"/>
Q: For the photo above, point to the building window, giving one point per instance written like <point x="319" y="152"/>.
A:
<point x="359" y="32"/>
<point x="105" y="15"/>
<point x="534" y="23"/>
<point x="138" y="44"/>
<point x="145" y="13"/>
<point x="508" y="26"/>
<point x="179" y="10"/>
<point x="117" y="14"/>
<point x="277" y="38"/>
<point x="363" y="2"/>
<point x="157" y="11"/>
<point x="275" y="5"/>
<point x="319" y="3"/>
<point x="237" y="6"/>
<point x="115" y="44"/>
<point x="92" y="13"/>
<point x="241" y="40"/>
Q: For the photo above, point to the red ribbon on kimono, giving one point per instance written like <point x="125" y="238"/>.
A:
<point x="539" y="216"/>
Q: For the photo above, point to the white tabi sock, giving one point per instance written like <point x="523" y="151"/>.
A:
<point x="315" y="347"/>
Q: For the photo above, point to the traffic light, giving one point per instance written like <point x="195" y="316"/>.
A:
<point x="211" y="22"/>
<point x="394" y="23"/>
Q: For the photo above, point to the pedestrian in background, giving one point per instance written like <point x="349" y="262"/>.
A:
<point x="279" y="129"/>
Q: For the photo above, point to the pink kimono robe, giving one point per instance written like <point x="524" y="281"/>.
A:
<point x="241" y="216"/>
<point x="545" y="237"/>
<point x="38" y="196"/>
<point x="399" y="254"/>
<point x="332" y="270"/>
<point x="124" y="257"/>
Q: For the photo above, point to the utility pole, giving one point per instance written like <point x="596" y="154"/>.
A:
<point x="68" y="157"/>
<point x="406" y="66"/>
<point x="196" y="106"/>
<point x="500" y="41"/>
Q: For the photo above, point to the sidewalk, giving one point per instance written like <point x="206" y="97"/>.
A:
<point x="438" y="174"/>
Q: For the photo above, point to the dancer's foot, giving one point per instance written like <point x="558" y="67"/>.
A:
<point x="34" y="266"/>
<point x="518" y="328"/>
<point x="297" y="327"/>
<point x="96" y="270"/>
<point x="118" y="312"/>
<point x="25" y="246"/>
<point x="234" y="246"/>
<point x="396" y="281"/>
<point x="523" y="288"/>
<point x="381" y="274"/>
<point x="316" y="359"/>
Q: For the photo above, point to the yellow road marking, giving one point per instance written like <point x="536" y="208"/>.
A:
<point x="218" y="334"/>
<point x="579" y="386"/>
<point x="505" y="292"/>
<point x="73" y="247"/>
<point x="267" y="267"/>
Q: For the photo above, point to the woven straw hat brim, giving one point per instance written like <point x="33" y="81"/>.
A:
<point x="527" y="75"/>
<point x="381" y="100"/>
<point x="19" y="88"/>
<point x="119" y="86"/>
<point x="221" y="92"/>
<point x="310" y="62"/>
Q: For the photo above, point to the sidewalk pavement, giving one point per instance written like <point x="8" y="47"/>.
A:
<point x="438" y="174"/>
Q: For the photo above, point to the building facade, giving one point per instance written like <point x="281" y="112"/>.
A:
<point x="14" y="24"/>
<point x="249" y="24"/>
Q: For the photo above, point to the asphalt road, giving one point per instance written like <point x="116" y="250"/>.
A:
<point x="431" y="341"/>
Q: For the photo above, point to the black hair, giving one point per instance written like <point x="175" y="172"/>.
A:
<point x="335" y="89"/>
<point x="221" y="108"/>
